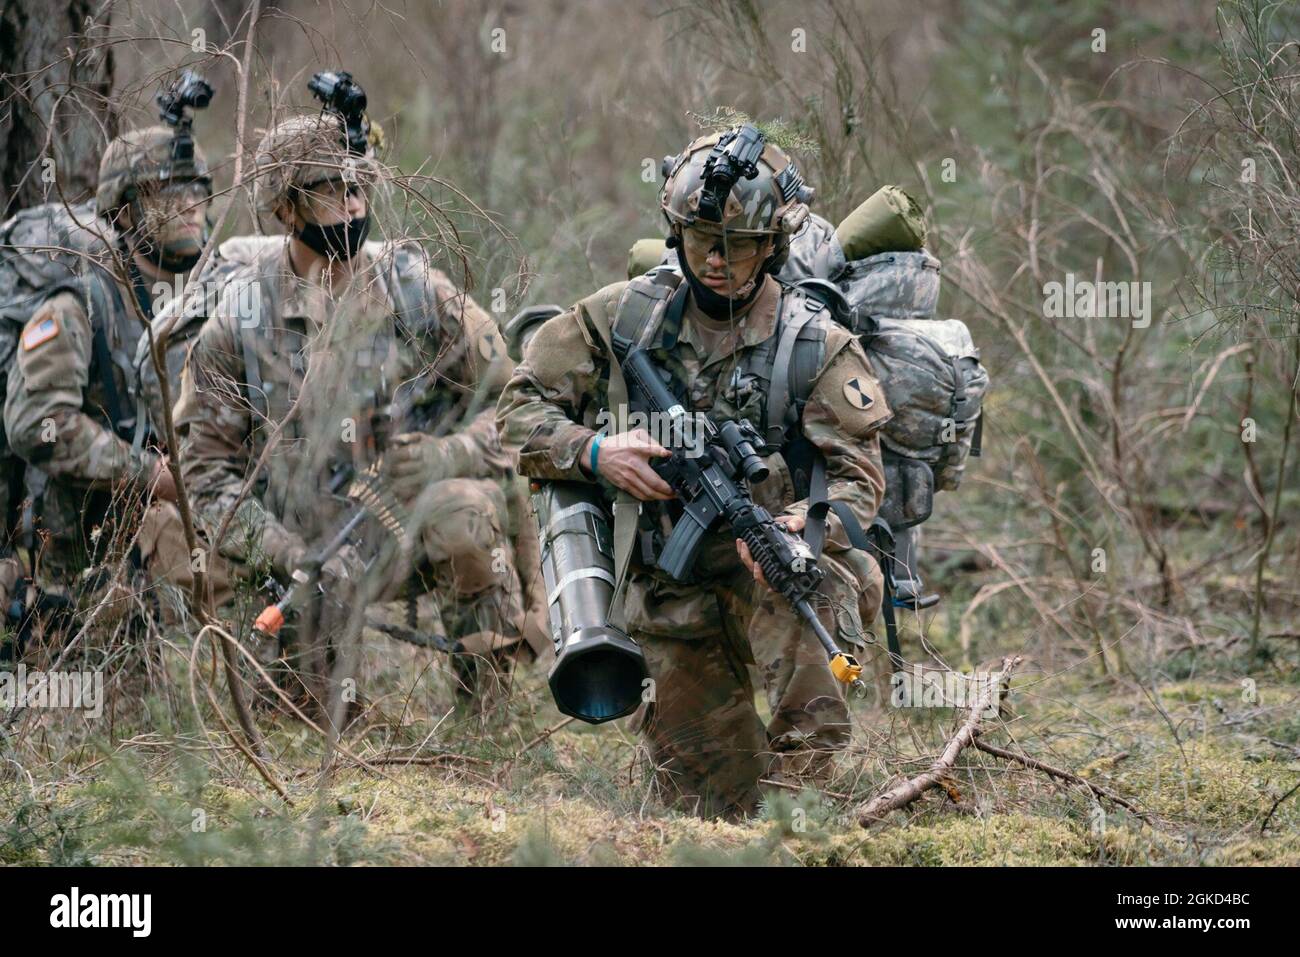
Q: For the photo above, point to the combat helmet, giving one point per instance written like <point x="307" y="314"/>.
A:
<point x="143" y="159"/>
<point x="737" y="180"/>
<point x="302" y="151"/>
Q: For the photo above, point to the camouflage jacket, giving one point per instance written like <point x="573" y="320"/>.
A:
<point x="555" y="400"/>
<point x="335" y="362"/>
<point x="57" y="412"/>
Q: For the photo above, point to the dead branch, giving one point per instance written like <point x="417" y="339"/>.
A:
<point x="1050" y="771"/>
<point x="907" y="792"/>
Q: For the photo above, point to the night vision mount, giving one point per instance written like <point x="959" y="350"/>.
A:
<point x="733" y="158"/>
<point x="341" y="95"/>
<point x="189" y="92"/>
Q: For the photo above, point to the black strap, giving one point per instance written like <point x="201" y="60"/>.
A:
<point x="672" y="325"/>
<point x="879" y="543"/>
<point x="977" y="440"/>
<point x="142" y="296"/>
<point x="99" y="310"/>
<point x="882" y="541"/>
<point x="814" y="532"/>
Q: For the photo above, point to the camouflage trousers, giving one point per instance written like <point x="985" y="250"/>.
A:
<point x="11" y="569"/>
<point x="166" y="556"/>
<point x="706" y="643"/>
<point x="480" y="559"/>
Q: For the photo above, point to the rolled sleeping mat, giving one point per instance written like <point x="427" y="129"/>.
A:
<point x="889" y="220"/>
<point x="644" y="255"/>
<point x="599" y="672"/>
<point x="520" y="327"/>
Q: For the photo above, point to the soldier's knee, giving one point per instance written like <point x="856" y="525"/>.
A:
<point x="466" y="529"/>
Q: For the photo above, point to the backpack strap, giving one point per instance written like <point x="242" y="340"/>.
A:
<point x="879" y="542"/>
<point x="253" y="385"/>
<point x="646" y="306"/>
<point x="103" y="300"/>
<point x="793" y="369"/>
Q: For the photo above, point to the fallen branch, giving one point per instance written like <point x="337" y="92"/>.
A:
<point x="1050" y="771"/>
<point x="907" y="792"/>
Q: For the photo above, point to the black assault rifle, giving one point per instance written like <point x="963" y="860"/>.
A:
<point x="706" y="472"/>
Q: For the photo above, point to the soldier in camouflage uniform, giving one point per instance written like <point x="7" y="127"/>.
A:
<point x="701" y="638"/>
<point x="72" y="410"/>
<point x="322" y="340"/>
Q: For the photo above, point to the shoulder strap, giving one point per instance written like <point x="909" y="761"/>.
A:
<point x="253" y="385"/>
<point x="879" y="542"/>
<point x="644" y="308"/>
<point x="102" y="300"/>
<point x="398" y="292"/>
<point x="791" y="372"/>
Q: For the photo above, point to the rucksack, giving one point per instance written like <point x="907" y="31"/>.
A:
<point x="928" y="368"/>
<point x="45" y="250"/>
<point x="182" y="319"/>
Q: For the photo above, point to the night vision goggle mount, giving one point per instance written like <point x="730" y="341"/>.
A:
<point x="341" y="95"/>
<point x="189" y="92"/>
<point x="734" y="157"/>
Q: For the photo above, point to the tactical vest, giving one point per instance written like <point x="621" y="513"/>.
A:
<point x="271" y="401"/>
<point x="783" y="367"/>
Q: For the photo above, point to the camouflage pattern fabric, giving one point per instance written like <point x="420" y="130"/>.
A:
<point x="699" y="638"/>
<point x="336" y="360"/>
<point x="55" y="417"/>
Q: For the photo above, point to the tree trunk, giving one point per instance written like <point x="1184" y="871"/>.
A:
<point x="56" y="76"/>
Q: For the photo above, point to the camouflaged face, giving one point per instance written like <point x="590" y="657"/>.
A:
<point x="138" y="158"/>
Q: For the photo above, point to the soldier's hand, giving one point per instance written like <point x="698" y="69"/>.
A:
<point x="791" y="523"/>
<point x="414" y="460"/>
<point x="162" y="482"/>
<point x="624" y="460"/>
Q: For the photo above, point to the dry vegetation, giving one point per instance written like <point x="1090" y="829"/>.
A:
<point x="1164" y="674"/>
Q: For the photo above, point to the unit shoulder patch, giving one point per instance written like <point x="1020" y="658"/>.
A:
<point x="490" y="345"/>
<point x="857" y="394"/>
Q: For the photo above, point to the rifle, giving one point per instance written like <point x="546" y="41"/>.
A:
<point x="368" y="491"/>
<point x="707" y="480"/>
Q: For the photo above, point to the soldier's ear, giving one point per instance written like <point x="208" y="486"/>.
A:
<point x="284" y="211"/>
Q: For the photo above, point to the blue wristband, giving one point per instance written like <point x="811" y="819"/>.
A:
<point x="595" y="453"/>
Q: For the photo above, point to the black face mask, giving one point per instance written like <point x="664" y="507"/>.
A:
<point x="714" y="304"/>
<point x="171" y="263"/>
<point x="339" y="241"/>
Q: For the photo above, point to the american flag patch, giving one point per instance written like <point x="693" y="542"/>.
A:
<point x="38" y="333"/>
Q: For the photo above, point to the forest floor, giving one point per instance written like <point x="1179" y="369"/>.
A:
<point x="1207" y="758"/>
